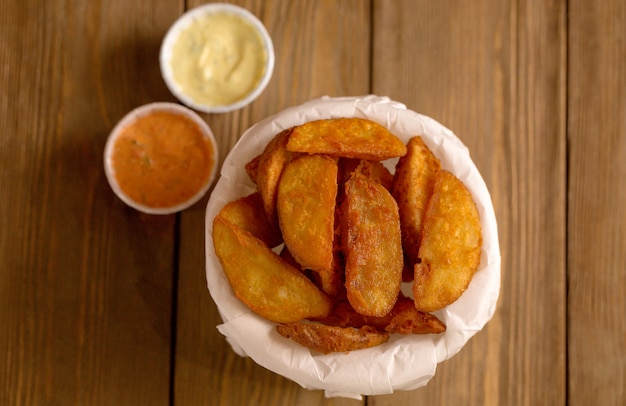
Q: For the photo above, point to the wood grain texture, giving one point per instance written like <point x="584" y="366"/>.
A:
<point x="85" y="287"/>
<point x="597" y="202"/>
<point x="100" y="304"/>
<point x="310" y="63"/>
<point x="493" y="73"/>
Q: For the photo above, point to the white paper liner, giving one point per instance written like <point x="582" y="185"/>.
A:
<point x="404" y="362"/>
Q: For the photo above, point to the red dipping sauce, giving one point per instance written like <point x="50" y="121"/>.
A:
<point x="161" y="159"/>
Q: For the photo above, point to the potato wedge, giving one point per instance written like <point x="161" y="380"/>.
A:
<point x="327" y="339"/>
<point x="346" y="137"/>
<point x="377" y="171"/>
<point x="404" y="318"/>
<point x="305" y="203"/>
<point x="371" y="243"/>
<point x="343" y="315"/>
<point x="412" y="188"/>
<point x="248" y="213"/>
<point x="252" y="168"/>
<point x="451" y="244"/>
<point x="373" y="169"/>
<point x="269" y="169"/>
<point x="262" y="280"/>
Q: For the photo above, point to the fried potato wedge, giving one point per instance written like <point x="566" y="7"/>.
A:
<point x="373" y="169"/>
<point x="346" y="137"/>
<point x="252" y="168"/>
<point x="264" y="282"/>
<point x="377" y="171"/>
<point x="451" y="244"/>
<point x="404" y="318"/>
<point x="344" y="315"/>
<point x="305" y="203"/>
<point x="331" y="284"/>
<point x="412" y="188"/>
<point x="269" y="169"/>
<point x="371" y="244"/>
<point x="248" y="213"/>
<point x="327" y="339"/>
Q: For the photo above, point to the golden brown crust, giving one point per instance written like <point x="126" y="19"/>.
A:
<point x="372" y="246"/>
<point x="252" y="168"/>
<point x="248" y="213"/>
<point x="306" y="198"/>
<point x="327" y="339"/>
<point x="270" y="167"/>
<point x="346" y="137"/>
<point x="404" y="318"/>
<point x="263" y="281"/>
<point x="412" y="188"/>
<point x="451" y="244"/>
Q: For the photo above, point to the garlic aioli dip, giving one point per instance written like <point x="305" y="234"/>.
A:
<point x="162" y="159"/>
<point x="218" y="59"/>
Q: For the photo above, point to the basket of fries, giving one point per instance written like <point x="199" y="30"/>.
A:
<point x="351" y="246"/>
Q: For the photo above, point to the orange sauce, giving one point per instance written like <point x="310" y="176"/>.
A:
<point x="162" y="159"/>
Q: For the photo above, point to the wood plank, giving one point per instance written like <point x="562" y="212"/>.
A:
<point x="85" y="287"/>
<point x="309" y="63"/>
<point x="493" y="72"/>
<point x="596" y="215"/>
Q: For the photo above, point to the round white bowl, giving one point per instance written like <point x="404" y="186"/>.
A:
<point x="405" y="362"/>
<point x="184" y="22"/>
<point x="144" y="111"/>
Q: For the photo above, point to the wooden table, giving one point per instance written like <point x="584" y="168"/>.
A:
<point x="100" y="304"/>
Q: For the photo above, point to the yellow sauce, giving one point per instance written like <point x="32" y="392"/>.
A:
<point x="219" y="59"/>
<point x="162" y="159"/>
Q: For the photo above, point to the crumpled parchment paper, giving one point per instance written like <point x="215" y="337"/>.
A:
<point x="404" y="362"/>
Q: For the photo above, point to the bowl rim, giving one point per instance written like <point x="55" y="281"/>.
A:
<point x="143" y="111"/>
<point x="181" y="24"/>
<point x="414" y="357"/>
